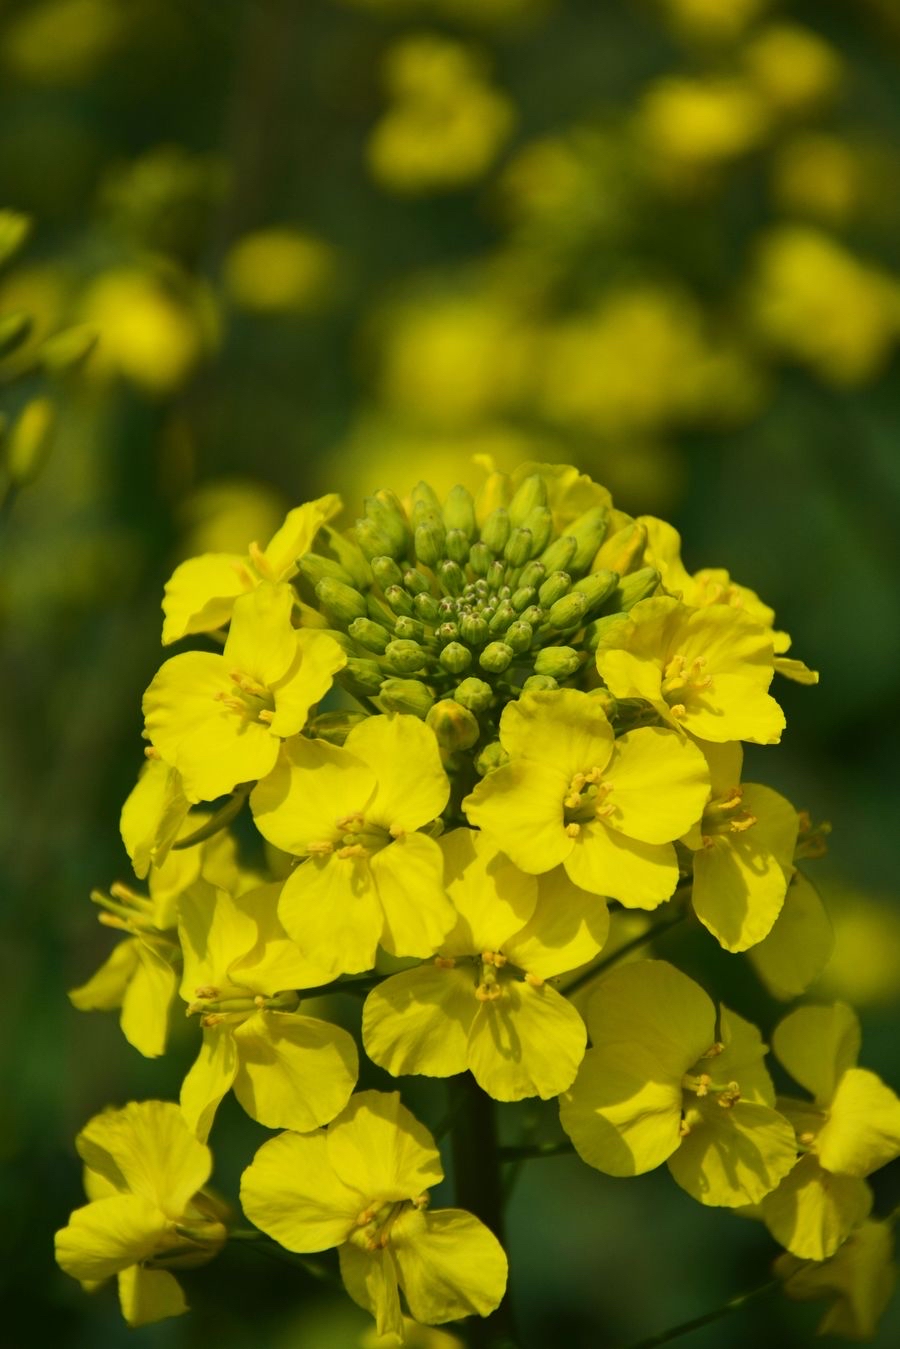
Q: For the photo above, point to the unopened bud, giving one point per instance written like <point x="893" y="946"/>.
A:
<point x="496" y="657"/>
<point x="539" y="524"/>
<point x="480" y="558"/>
<point x="496" y="491"/>
<point x="554" y="588"/>
<point x="424" y="503"/>
<point x="518" y="547"/>
<point x="567" y="612"/>
<point x="539" y="684"/>
<point x="531" y="493"/>
<point x="456" y="658"/>
<point x="473" y="629"/>
<point x="341" y="600"/>
<point x="426" y="607"/>
<point x="371" y="635"/>
<point x="405" y="657"/>
<point x="459" y="514"/>
<point x="409" y="629"/>
<point x="597" y="587"/>
<point x="454" y="726"/>
<point x="532" y="575"/>
<point x="558" y="555"/>
<point x="429" y="542"/>
<point x="495" y="531"/>
<point x="416" y="582"/>
<point x="519" y="636"/>
<point x="362" y="676"/>
<point x="68" y="350"/>
<point x="405" y="695"/>
<point x="456" y="545"/>
<point x="589" y="531"/>
<point x="386" y="572"/>
<point x="522" y="597"/>
<point x="624" y="550"/>
<point x="533" y="614"/>
<point x="560" y="662"/>
<point x="451" y="577"/>
<point x="334" y="726"/>
<point x="350" y="558"/>
<point x="373" y="541"/>
<point x="491" y="757"/>
<point x="14" y="330"/>
<point x="611" y="630"/>
<point x="385" y="511"/>
<point x="636" y="586"/>
<point x="317" y="568"/>
<point x="474" y="694"/>
<point x="503" y="615"/>
<point x="30" y="440"/>
<point x="399" y="600"/>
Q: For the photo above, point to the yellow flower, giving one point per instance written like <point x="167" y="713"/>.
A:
<point x="483" y="1004"/>
<point x="799" y="945"/>
<point x="793" y="67"/>
<point x="360" y="1185"/>
<point x="858" y="1280"/>
<point x="849" y="1129"/>
<point x="743" y="853"/>
<point x="153" y="815"/>
<point x="354" y="812"/>
<point x="659" y="1086"/>
<point x="219" y="719"/>
<point x="280" y="270"/>
<point x="607" y="809"/>
<point x="201" y="592"/>
<point x="242" y="975"/>
<point x="706" y="670"/>
<point x="144" y="1175"/>
<point x="710" y="585"/>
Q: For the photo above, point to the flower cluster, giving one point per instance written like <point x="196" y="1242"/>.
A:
<point x="469" y="736"/>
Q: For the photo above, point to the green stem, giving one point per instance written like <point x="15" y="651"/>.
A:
<point x="222" y="818"/>
<point x="734" y="1305"/>
<point x="476" y="1168"/>
<point x="640" y="940"/>
<point x="523" y="1152"/>
<point x="362" y="984"/>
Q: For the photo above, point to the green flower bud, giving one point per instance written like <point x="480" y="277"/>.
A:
<point x="334" y="726"/>
<point x="496" y="575"/>
<point x="410" y="629"/>
<point x="30" y="440"/>
<point x="473" y="629"/>
<point x="317" y="568"/>
<point x="14" y="330"/>
<point x="415" y="582"/>
<point x="447" y="632"/>
<point x="518" y="547"/>
<point x="459" y="514"/>
<point x="588" y="531"/>
<point x="597" y="587"/>
<point x="429" y="542"/>
<point x="456" y="658"/>
<point x="554" y="588"/>
<point x="426" y="504"/>
<point x="426" y="607"/>
<point x="399" y="600"/>
<point x="341" y="600"/>
<point x="386" y="572"/>
<point x="451" y="577"/>
<point x="612" y="628"/>
<point x="370" y="635"/>
<point x="637" y="585"/>
<point x="379" y="612"/>
<point x="540" y="524"/>
<point x="496" y="657"/>
<point x="532" y="575"/>
<point x="624" y="550"/>
<point x="503" y="615"/>
<point x="474" y="694"/>
<point x="453" y="725"/>
<point x="519" y="636"/>
<point x="539" y="684"/>
<point x="362" y="676"/>
<point x="531" y="494"/>
<point x="69" y="349"/>
<point x="534" y="615"/>
<point x="405" y="657"/>
<point x="567" y="612"/>
<point x="374" y="541"/>
<point x="495" y="530"/>
<point x="386" y="514"/>
<point x="491" y="757"/>
<point x="350" y="558"/>
<point x="560" y="662"/>
<point x="456" y="545"/>
<point x="522" y="598"/>
<point x="558" y="555"/>
<point x="405" y="695"/>
<point x="480" y="558"/>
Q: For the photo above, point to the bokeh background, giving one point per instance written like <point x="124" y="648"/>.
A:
<point x="340" y="244"/>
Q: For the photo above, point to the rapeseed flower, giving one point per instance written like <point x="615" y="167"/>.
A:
<point x="858" y="1281"/>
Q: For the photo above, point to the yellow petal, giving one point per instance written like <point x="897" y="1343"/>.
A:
<point x="800" y="944"/>
<point x="147" y="1001"/>
<point x="297" y="534"/>
<point x="742" y="1059"/>
<point x="567" y="929"/>
<point x="152" y="815"/>
<point x="409" y="877"/>
<point x="859" y="1279"/>
<point x="214" y="931"/>
<point x="109" y="1235"/>
<point x="813" y="1211"/>
<point x="620" y="1113"/>
<point x="733" y="1157"/>
<point x="862" y="1132"/>
<point x="209" y="1079"/>
<point x="563" y="729"/>
<point x="817" y="1045"/>
<point x="403" y="754"/>
<point x="638" y="875"/>
<point x="651" y="1008"/>
<point x="741" y="710"/>
<point x="660" y="784"/>
<point x="275" y="962"/>
<point x="370" y="1277"/>
<point x="379" y="1148"/>
<point x="450" y="1265"/>
<point x="738" y="890"/>
<point x="330" y="907"/>
<point x="291" y="1192"/>
<point x="105" y="989"/>
<point x="149" y="1146"/>
<point x="418" y="1021"/>
<point x="629" y="675"/>
<point x="294" y="1072"/>
<point x="149" y="1295"/>
<point x="311" y="788"/>
<point x="200" y="594"/>
<point x="520" y="807"/>
<point x="307" y="679"/>
<point x="261" y="641"/>
<point x="492" y="897"/>
<point x="528" y="1042"/>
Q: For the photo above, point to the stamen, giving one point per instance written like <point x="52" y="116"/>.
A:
<point x="445" y="962"/>
<point x="573" y="829"/>
<point x="320" y="847"/>
<point x="258" y="558"/>
<point x="353" y="850"/>
<point x="151" y="752"/>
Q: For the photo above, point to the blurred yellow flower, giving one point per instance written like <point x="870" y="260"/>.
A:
<point x="818" y="175"/>
<point x="689" y="124"/>
<point x="63" y="42"/>
<point x="792" y="67"/>
<point x="280" y="270"/>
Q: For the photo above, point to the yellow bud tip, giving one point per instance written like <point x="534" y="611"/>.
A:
<point x="259" y="1000"/>
<point x="151" y="752"/>
<point x="678" y="711"/>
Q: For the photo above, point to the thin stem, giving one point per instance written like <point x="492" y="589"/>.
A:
<point x="220" y="820"/>
<point x="640" y="940"/>
<point x="523" y="1152"/>
<point x="734" y="1305"/>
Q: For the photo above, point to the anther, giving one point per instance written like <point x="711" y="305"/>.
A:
<point x="151" y="752"/>
<point x="445" y="962"/>
<point x="396" y="831"/>
<point x="573" y="829"/>
<point x="534" y="980"/>
<point x="265" y="716"/>
<point x="206" y="991"/>
<point x="353" y="850"/>
<point x="320" y="847"/>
